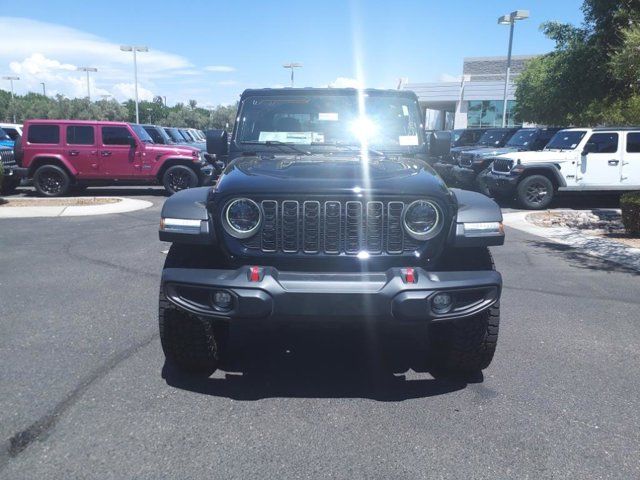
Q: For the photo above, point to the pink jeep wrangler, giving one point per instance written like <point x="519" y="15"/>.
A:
<point x="59" y="155"/>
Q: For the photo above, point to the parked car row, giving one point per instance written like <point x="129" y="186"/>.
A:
<point x="534" y="164"/>
<point x="61" y="155"/>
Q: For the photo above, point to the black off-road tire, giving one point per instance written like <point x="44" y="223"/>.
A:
<point x="51" y="181"/>
<point x="179" y="177"/>
<point x="467" y="345"/>
<point x="535" y="192"/>
<point x="190" y="343"/>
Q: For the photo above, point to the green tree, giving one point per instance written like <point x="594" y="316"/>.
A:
<point x="583" y="80"/>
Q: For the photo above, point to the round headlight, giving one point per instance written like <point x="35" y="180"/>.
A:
<point x="242" y="218"/>
<point x="422" y="220"/>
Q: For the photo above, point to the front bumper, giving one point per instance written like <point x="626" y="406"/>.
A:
<point x="383" y="296"/>
<point x="207" y="175"/>
<point x="464" y="176"/>
<point x="501" y="184"/>
<point x="444" y="170"/>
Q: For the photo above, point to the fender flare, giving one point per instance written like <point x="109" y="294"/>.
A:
<point x="542" y="168"/>
<point x="194" y="224"/>
<point x="57" y="159"/>
<point x="474" y="209"/>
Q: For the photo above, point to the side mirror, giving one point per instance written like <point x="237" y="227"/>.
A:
<point x="132" y="142"/>
<point x="217" y="143"/>
<point x="440" y="144"/>
<point x="590" y="148"/>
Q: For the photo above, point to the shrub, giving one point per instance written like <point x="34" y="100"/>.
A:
<point x="630" y="205"/>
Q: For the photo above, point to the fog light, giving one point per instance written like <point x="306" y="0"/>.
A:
<point x="222" y="300"/>
<point x="441" y="303"/>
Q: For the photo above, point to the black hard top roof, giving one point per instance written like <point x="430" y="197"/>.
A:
<point x="609" y="129"/>
<point x="326" y="91"/>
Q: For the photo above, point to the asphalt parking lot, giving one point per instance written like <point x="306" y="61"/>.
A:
<point x="84" y="391"/>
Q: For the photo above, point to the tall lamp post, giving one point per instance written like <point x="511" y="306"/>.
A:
<point x="292" y="66"/>
<point x="134" y="49"/>
<point x="87" y="70"/>
<point x="44" y="89"/>
<point x="11" y="79"/>
<point x="509" y="19"/>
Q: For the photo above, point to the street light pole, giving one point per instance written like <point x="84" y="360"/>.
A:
<point x="291" y="66"/>
<point x="87" y="70"/>
<point x="44" y="90"/>
<point x="11" y="79"/>
<point x="134" y="49"/>
<point x="509" y="19"/>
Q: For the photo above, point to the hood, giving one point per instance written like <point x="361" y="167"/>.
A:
<point x="540" y="156"/>
<point x="490" y="151"/>
<point x="465" y="148"/>
<point x="327" y="174"/>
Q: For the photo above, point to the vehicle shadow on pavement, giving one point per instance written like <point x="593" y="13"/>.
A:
<point x="151" y="191"/>
<point x="321" y="363"/>
<point x="578" y="259"/>
<point x="571" y="201"/>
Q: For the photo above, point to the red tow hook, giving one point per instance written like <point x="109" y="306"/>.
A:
<point x="255" y="274"/>
<point x="409" y="275"/>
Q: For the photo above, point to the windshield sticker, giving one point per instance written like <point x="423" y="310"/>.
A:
<point x="405" y="110"/>
<point x="328" y="116"/>
<point x="408" y="140"/>
<point x="292" y="137"/>
<point x="574" y="145"/>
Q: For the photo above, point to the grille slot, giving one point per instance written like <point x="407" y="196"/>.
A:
<point x="270" y="226"/>
<point x="290" y="226"/>
<point x="353" y="227"/>
<point x="332" y="226"/>
<point x="375" y="214"/>
<point x="395" y="234"/>
<point x="502" y="165"/>
<point x="7" y="158"/>
<point x="311" y="227"/>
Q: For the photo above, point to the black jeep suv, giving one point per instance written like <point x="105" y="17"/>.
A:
<point x="327" y="211"/>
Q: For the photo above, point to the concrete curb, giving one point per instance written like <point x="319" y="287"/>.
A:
<point x="590" y="244"/>
<point x="122" y="206"/>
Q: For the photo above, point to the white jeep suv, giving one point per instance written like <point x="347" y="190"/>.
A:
<point x="574" y="160"/>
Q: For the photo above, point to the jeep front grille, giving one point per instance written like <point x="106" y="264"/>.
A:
<point x="332" y="227"/>
<point x="7" y="158"/>
<point x="502" y="165"/>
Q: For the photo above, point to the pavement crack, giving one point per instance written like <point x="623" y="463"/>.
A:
<point x="21" y="440"/>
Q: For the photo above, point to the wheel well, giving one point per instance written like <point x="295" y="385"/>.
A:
<point x="40" y="161"/>
<point x="541" y="171"/>
<point x="171" y="163"/>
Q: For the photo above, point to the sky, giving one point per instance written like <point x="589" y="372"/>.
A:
<point x="212" y="50"/>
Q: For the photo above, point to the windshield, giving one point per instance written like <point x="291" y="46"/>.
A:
<point x="455" y="135"/>
<point x="565" y="140"/>
<point x="141" y="133"/>
<point x="326" y="119"/>
<point x="4" y="135"/>
<point x="522" y="138"/>
<point x="492" y="138"/>
<point x="155" y="134"/>
<point x="174" y="134"/>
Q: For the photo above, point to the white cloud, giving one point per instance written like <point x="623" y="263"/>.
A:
<point x="44" y="52"/>
<point x="345" y="82"/>
<point x="219" y="68"/>
<point x="127" y="90"/>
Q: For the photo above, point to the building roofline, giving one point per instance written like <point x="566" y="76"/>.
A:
<point x="503" y="57"/>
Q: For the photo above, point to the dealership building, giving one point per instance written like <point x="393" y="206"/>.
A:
<point x="474" y="101"/>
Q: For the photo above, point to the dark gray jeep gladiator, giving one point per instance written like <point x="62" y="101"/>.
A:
<point x="327" y="211"/>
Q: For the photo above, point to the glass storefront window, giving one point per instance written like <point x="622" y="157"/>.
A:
<point x="488" y="113"/>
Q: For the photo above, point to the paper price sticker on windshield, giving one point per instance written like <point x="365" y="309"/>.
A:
<point x="408" y="140"/>
<point x="328" y="117"/>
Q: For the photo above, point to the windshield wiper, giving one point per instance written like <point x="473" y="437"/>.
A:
<point x="278" y="143"/>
